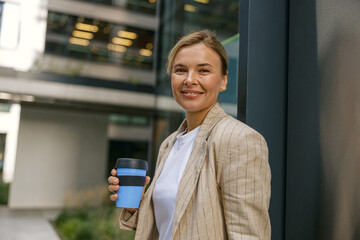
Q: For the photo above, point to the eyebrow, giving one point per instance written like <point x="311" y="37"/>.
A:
<point x="200" y="65"/>
<point x="204" y="64"/>
<point x="179" y="65"/>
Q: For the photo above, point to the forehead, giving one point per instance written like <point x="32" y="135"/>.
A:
<point x="197" y="52"/>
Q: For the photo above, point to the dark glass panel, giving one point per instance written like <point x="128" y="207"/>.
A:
<point x="141" y="6"/>
<point x="128" y="149"/>
<point x="100" y="41"/>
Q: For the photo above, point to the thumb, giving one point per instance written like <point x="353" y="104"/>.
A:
<point x="147" y="180"/>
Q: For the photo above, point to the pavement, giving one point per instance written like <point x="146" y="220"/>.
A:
<point x="16" y="224"/>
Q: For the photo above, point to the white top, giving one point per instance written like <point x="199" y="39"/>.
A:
<point x="166" y="186"/>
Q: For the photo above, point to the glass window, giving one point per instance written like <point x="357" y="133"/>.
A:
<point x="129" y="120"/>
<point x="2" y="150"/>
<point x="1" y="12"/>
<point x="100" y="41"/>
<point x="9" y="25"/>
<point x="129" y="149"/>
<point x="4" y="107"/>
<point x="181" y="17"/>
<point x="142" y="6"/>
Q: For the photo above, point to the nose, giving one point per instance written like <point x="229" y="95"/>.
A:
<point x="190" y="78"/>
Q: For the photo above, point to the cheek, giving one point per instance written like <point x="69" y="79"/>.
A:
<point x="175" y="83"/>
<point x="215" y="86"/>
<point x="174" y="86"/>
<point x="172" y="81"/>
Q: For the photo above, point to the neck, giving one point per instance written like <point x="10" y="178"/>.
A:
<point x="195" y="119"/>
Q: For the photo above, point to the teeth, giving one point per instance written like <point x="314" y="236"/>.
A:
<point x="191" y="93"/>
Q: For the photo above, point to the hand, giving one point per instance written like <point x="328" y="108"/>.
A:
<point x="114" y="186"/>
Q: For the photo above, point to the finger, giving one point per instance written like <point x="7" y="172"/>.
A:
<point x="113" y="197"/>
<point x="113" y="188"/>
<point x="113" y="180"/>
<point x="113" y="172"/>
<point x="147" y="180"/>
<point x="110" y="180"/>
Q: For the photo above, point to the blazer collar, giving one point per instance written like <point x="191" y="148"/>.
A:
<point x="215" y="114"/>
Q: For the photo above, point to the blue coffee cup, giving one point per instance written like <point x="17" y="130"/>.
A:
<point x="131" y="174"/>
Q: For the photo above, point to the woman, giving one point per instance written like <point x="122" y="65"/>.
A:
<point x="212" y="177"/>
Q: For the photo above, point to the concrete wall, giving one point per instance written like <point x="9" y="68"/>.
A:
<point x="59" y="152"/>
<point x="339" y="74"/>
<point x="323" y="156"/>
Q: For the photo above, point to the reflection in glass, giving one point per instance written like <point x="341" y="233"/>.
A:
<point x="2" y="151"/>
<point x="185" y="16"/>
<point x="129" y="149"/>
<point x="4" y="107"/>
<point x="129" y="120"/>
<point x="179" y="18"/>
<point x="9" y="25"/>
<point x="141" y="6"/>
<point x="1" y="13"/>
<point x="100" y="41"/>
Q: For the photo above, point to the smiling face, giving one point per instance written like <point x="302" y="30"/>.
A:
<point x="196" y="78"/>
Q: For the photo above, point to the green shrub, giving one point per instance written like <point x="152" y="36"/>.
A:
<point x="90" y="215"/>
<point x="91" y="224"/>
<point x="4" y="193"/>
<point x="87" y="231"/>
<point x="69" y="228"/>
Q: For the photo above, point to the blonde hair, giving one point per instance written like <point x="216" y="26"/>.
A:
<point x="205" y="37"/>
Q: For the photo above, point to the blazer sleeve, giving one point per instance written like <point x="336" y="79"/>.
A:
<point x="245" y="184"/>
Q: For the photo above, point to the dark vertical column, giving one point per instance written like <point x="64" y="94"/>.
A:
<point x="303" y="151"/>
<point x="263" y="85"/>
<point x="243" y="58"/>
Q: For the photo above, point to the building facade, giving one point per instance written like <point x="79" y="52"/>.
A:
<point x="89" y="83"/>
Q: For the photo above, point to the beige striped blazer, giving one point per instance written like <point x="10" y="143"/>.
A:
<point x="225" y="189"/>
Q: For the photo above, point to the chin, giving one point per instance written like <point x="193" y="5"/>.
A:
<point x="193" y="109"/>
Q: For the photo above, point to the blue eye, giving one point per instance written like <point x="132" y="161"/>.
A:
<point x="204" y="70"/>
<point x="180" y="70"/>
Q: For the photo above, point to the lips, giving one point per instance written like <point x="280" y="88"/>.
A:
<point x="191" y="93"/>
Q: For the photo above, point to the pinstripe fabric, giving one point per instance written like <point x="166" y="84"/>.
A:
<point x="225" y="189"/>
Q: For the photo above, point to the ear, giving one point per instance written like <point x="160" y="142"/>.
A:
<point x="224" y="81"/>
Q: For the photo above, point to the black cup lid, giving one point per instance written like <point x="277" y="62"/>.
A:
<point x="131" y="163"/>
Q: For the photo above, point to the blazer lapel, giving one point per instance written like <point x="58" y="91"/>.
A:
<point x="192" y="170"/>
